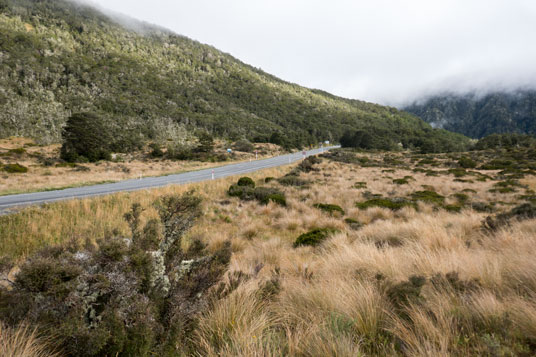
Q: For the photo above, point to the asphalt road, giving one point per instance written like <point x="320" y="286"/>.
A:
<point x="8" y="203"/>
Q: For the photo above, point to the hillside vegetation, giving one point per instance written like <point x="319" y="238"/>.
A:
<point x="478" y="116"/>
<point x="58" y="58"/>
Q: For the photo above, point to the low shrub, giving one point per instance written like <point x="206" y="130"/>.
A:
<point x="267" y="194"/>
<point x="406" y="293"/>
<point x="402" y="181"/>
<point x="15" y="169"/>
<point x="329" y="208"/>
<point x="292" y="180"/>
<point x="390" y="203"/>
<point x="314" y="237"/>
<point x="428" y="197"/>
<point x="360" y="185"/>
<point x="17" y="151"/>
<point x="269" y="179"/>
<point x="520" y="213"/>
<point x="353" y="223"/>
<point x="466" y="162"/>
<point x="246" y="181"/>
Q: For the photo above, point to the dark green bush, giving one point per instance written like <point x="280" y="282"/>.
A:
<point x="156" y="151"/>
<point x="267" y="194"/>
<point x="522" y="212"/>
<point x="246" y="181"/>
<point x="17" y="151"/>
<point x="292" y="180"/>
<point x="466" y="162"/>
<point x="360" y="185"/>
<point x="85" y="136"/>
<point x="390" y="203"/>
<point x="269" y="179"/>
<point x="428" y="197"/>
<point x="329" y="208"/>
<point x="314" y="237"/>
<point x="15" y="169"/>
<point x="402" y="181"/>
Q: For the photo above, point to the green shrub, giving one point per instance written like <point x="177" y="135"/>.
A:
<point x="269" y="179"/>
<point x="428" y="197"/>
<point x="246" y="181"/>
<point x="402" y="181"/>
<point x="267" y="194"/>
<point x="15" y="169"/>
<point x="466" y="163"/>
<point x="292" y="180"/>
<point x="329" y="208"/>
<point x="17" y="151"/>
<point x="390" y="203"/>
<point x="314" y="237"/>
<point x="156" y="151"/>
<point x="360" y="185"/>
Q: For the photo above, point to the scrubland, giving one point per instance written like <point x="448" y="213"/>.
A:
<point x="45" y="171"/>
<point x="423" y="258"/>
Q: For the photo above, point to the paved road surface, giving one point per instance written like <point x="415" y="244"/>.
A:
<point x="13" y="201"/>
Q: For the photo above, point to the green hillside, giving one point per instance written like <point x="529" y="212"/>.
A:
<point x="478" y="116"/>
<point x="59" y="58"/>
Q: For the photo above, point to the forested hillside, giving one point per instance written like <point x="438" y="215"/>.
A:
<point x="58" y="58"/>
<point x="478" y="116"/>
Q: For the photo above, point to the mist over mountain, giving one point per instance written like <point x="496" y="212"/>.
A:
<point x="480" y="113"/>
<point x="60" y="57"/>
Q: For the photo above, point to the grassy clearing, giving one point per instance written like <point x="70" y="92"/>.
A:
<point x="46" y="172"/>
<point x="420" y="280"/>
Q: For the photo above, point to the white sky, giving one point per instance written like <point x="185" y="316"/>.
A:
<point x="384" y="51"/>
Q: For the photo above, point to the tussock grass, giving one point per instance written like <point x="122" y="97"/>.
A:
<point x="23" y="341"/>
<point x="336" y="298"/>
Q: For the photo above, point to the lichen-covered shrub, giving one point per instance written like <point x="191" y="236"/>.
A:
<point x="136" y="296"/>
<point x="314" y="237"/>
<point x="330" y="208"/>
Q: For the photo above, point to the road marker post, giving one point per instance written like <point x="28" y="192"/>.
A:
<point x="213" y="174"/>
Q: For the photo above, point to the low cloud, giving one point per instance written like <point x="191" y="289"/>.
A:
<point x="385" y="51"/>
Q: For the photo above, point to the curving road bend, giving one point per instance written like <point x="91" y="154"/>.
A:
<point x="7" y="203"/>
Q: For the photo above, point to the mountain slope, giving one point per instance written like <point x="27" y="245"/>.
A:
<point x="58" y="57"/>
<point x="479" y="116"/>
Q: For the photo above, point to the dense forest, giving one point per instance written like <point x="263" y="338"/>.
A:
<point x="59" y="58"/>
<point x="478" y="116"/>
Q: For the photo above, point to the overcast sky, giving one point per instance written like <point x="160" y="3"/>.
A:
<point x="384" y="51"/>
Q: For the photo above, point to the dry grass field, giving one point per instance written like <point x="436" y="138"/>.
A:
<point x="422" y="279"/>
<point x="46" y="172"/>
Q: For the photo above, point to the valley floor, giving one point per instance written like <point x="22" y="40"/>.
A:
<point x="410" y="264"/>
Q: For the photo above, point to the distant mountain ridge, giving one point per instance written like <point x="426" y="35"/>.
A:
<point x="59" y="57"/>
<point x="477" y="116"/>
